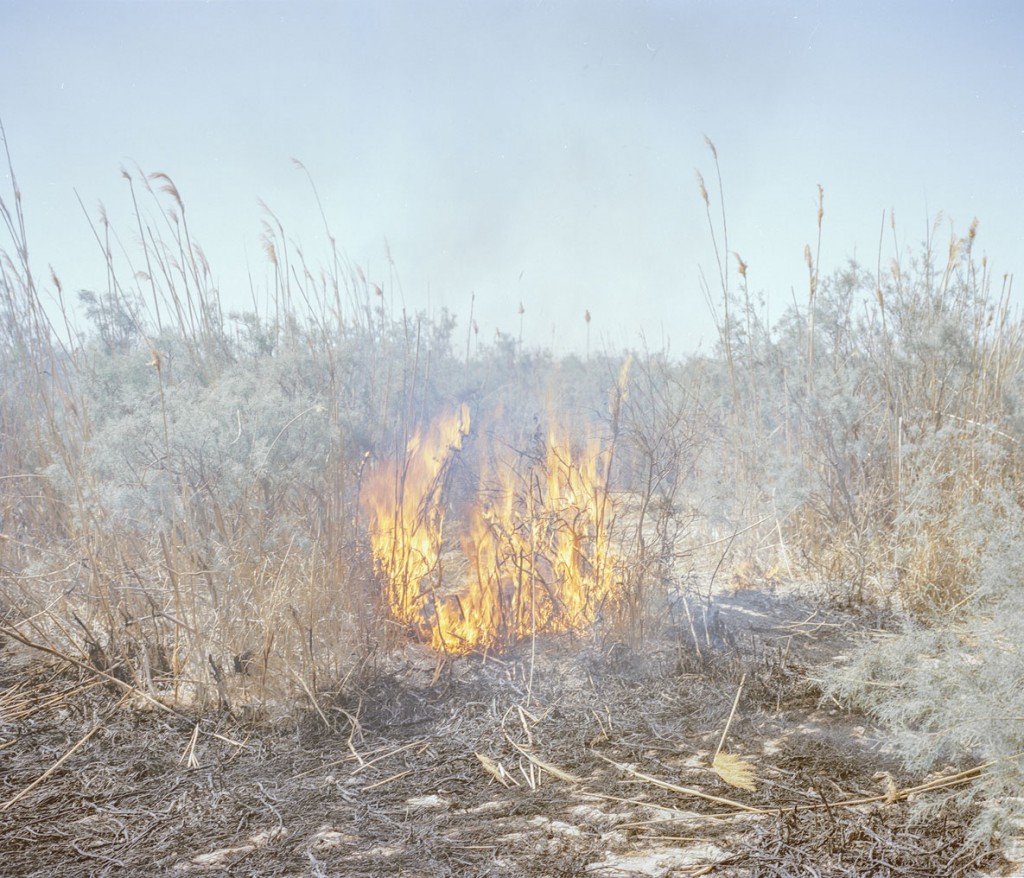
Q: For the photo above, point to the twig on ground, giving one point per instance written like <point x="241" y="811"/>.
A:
<point x="81" y="741"/>
<point x="687" y="791"/>
<point x="553" y="770"/>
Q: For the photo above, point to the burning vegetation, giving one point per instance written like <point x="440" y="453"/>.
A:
<point x="227" y="515"/>
<point x="533" y="550"/>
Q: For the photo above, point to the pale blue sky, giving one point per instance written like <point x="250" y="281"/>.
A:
<point x="541" y="151"/>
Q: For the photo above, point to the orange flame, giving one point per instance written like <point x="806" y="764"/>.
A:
<point x="406" y="511"/>
<point x="537" y="541"/>
<point x="542" y="552"/>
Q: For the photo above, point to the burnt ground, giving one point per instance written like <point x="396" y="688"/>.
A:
<point x="566" y="758"/>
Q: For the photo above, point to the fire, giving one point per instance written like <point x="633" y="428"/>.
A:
<point x="406" y="509"/>
<point x="539" y="549"/>
<point x="535" y="549"/>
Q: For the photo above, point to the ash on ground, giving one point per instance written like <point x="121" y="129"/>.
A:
<point x="567" y="757"/>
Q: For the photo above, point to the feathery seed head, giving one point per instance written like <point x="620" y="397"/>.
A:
<point x="703" y="188"/>
<point x="168" y="188"/>
<point x="268" y="247"/>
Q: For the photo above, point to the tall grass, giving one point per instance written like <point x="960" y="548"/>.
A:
<point x="180" y="484"/>
<point x="858" y="425"/>
<point x="874" y="435"/>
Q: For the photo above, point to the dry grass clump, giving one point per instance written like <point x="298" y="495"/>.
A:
<point x="183" y="490"/>
<point x="876" y="427"/>
<point x="865" y="425"/>
<point x="177" y="491"/>
<point x="181" y="486"/>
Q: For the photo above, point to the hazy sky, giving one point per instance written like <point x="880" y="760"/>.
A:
<point x="540" y="152"/>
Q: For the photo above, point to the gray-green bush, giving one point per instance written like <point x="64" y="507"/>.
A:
<point x="879" y="424"/>
<point x="179" y="486"/>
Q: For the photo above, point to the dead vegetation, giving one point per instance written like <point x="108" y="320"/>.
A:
<point x="308" y="593"/>
<point x="573" y="760"/>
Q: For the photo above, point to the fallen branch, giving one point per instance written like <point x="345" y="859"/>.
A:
<point x="387" y="780"/>
<point x="688" y="791"/>
<point x="889" y="797"/>
<point x="553" y="770"/>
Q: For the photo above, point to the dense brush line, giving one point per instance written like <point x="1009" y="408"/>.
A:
<point x="179" y="484"/>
